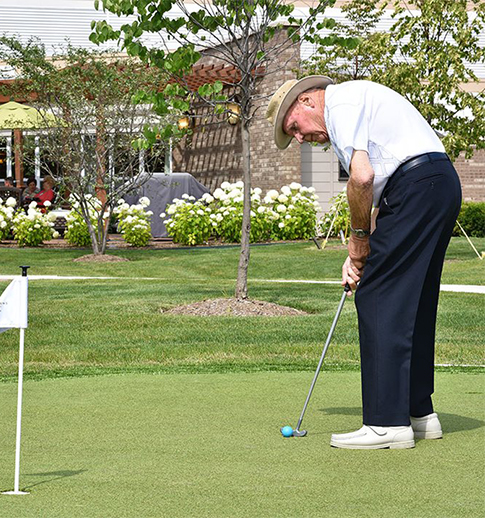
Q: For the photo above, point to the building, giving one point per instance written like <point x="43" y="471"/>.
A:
<point x="212" y="152"/>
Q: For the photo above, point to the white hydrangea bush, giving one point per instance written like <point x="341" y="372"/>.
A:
<point x="337" y="218"/>
<point x="190" y="222"/>
<point x="293" y="210"/>
<point x="134" y="221"/>
<point x="77" y="232"/>
<point x="7" y="211"/>
<point x="33" y="227"/>
<point x="279" y="215"/>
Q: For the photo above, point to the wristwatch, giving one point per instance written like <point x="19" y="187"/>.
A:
<point x="359" y="232"/>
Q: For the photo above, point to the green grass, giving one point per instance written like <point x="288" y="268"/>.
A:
<point x="142" y="446"/>
<point x="287" y="261"/>
<point x="95" y="326"/>
<point x="204" y="441"/>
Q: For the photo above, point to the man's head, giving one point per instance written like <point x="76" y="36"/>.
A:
<point x="9" y="181"/>
<point x="296" y="110"/>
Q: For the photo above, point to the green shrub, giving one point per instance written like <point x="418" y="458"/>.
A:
<point x="472" y="219"/>
<point x="77" y="232"/>
<point x="191" y="222"/>
<point x="134" y="222"/>
<point x="338" y="214"/>
<point x="34" y="227"/>
<point x="7" y="211"/>
<point x="281" y="215"/>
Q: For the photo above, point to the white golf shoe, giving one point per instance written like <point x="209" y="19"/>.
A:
<point x="375" y="437"/>
<point x="427" y="427"/>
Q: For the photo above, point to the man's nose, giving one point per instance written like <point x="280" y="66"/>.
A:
<point x="299" y="137"/>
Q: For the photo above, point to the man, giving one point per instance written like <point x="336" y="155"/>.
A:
<point x="395" y="160"/>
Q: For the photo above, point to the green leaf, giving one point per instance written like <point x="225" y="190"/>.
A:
<point x="218" y="86"/>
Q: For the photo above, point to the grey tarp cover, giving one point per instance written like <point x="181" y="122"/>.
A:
<point x="161" y="189"/>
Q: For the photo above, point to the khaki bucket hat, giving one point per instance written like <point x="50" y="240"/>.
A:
<point x="284" y="97"/>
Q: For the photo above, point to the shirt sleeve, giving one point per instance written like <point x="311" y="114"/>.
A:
<point x="350" y="131"/>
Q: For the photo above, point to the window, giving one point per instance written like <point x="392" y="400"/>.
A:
<point x="343" y="176"/>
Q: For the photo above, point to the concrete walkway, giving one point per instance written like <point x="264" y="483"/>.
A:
<point x="458" y="288"/>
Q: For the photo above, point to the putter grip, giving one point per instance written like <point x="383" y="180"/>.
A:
<point x="347" y="288"/>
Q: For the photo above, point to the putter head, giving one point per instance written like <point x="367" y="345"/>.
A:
<point x="296" y="433"/>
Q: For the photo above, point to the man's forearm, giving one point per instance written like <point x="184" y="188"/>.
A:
<point x="360" y="190"/>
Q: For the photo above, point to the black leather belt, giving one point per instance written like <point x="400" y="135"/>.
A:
<point x="422" y="159"/>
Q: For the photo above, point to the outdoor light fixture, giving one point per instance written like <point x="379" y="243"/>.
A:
<point x="234" y="113"/>
<point x="185" y="122"/>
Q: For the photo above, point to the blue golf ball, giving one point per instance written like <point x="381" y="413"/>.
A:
<point x="287" y="431"/>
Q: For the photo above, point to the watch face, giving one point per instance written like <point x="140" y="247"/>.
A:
<point x="359" y="232"/>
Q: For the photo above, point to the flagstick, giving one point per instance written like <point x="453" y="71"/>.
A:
<point x="16" y="490"/>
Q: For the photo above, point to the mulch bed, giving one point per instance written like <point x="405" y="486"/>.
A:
<point x="234" y="308"/>
<point x="91" y="258"/>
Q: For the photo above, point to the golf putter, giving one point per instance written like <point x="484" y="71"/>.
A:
<point x="301" y="433"/>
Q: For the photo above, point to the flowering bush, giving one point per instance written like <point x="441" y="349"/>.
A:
<point x="191" y="222"/>
<point x="33" y="228"/>
<point x="6" y="216"/>
<point x="134" y="222"/>
<point x="293" y="211"/>
<point x="77" y="232"/>
<point x="288" y="214"/>
<point x="337" y="218"/>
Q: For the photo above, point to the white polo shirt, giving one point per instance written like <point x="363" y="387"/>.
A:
<point x="361" y="115"/>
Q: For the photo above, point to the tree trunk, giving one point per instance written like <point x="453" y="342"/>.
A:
<point x="242" y="271"/>
<point x="93" y="234"/>
<point x="19" y="157"/>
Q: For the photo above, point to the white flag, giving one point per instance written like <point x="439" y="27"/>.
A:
<point x="13" y="305"/>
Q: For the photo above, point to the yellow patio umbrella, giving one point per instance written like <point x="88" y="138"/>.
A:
<point x="16" y="116"/>
<point x="20" y="116"/>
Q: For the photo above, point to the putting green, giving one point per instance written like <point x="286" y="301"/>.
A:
<point x="190" y="445"/>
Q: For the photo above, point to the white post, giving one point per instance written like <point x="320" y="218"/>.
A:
<point x="168" y="159"/>
<point x="19" y="411"/>
<point x="9" y="156"/>
<point x="37" y="161"/>
<point x="141" y="161"/>
<point x="16" y="490"/>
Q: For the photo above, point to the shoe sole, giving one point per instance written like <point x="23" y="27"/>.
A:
<point x="428" y="435"/>
<point x="389" y="445"/>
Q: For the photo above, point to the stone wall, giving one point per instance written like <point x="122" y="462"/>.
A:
<point x="472" y="176"/>
<point x="212" y="154"/>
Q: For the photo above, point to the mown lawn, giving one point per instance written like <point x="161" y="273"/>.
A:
<point x="202" y="438"/>
<point x="96" y="326"/>
<point x="209" y="446"/>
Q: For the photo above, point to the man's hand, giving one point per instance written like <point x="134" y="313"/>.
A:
<point x="350" y="275"/>
<point x="359" y="250"/>
<point x="353" y="267"/>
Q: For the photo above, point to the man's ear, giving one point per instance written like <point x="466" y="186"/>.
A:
<point x="306" y="99"/>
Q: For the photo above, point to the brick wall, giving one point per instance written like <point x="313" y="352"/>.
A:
<point x="472" y="176"/>
<point x="212" y="154"/>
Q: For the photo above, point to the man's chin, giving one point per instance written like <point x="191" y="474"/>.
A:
<point x="318" y="139"/>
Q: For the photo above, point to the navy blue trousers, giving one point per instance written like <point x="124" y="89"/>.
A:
<point x="397" y="298"/>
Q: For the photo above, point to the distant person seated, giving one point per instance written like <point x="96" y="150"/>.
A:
<point x="46" y="194"/>
<point x="30" y="192"/>
<point x="7" y="190"/>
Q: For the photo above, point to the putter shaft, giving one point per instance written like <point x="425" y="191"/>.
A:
<point x="320" y="363"/>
